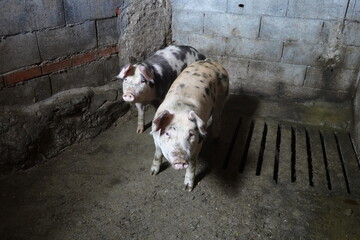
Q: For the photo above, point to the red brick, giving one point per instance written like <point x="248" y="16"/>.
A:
<point x="104" y="52"/>
<point x="22" y="75"/>
<point x="83" y="58"/>
<point x="118" y="11"/>
<point x="2" y="83"/>
<point x="56" y="66"/>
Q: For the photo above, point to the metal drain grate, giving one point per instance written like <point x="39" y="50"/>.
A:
<point x="285" y="152"/>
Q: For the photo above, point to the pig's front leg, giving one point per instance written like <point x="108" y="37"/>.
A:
<point x="141" y="120"/>
<point x="155" y="167"/>
<point x="190" y="175"/>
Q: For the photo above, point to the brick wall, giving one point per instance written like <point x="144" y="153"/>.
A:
<point x="293" y="49"/>
<point x="51" y="46"/>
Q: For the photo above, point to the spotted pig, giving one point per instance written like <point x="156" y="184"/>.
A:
<point x="180" y="122"/>
<point x="148" y="81"/>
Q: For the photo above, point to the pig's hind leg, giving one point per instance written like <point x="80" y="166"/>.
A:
<point x="141" y="120"/>
<point x="155" y="167"/>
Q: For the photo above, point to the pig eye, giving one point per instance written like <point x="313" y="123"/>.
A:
<point x="125" y="79"/>
<point x="143" y="80"/>
<point x="192" y="136"/>
<point x="167" y="134"/>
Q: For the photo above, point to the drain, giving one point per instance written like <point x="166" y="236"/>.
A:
<point x="293" y="153"/>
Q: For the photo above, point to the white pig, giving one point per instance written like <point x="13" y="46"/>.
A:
<point x="180" y="122"/>
<point x="148" y="81"/>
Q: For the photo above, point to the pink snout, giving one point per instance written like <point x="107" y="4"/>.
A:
<point x="128" y="97"/>
<point x="180" y="164"/>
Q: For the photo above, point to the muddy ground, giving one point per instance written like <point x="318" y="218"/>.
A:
<point x="102" y="189"/>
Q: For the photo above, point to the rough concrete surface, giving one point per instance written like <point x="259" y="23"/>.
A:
<point x="102" y="189"/>
<point x="41" y="130"/>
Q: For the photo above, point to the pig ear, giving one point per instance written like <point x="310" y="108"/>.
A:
<point x="148" y="74"/>
<point x="127" y="70"/>
<point x="161" y="121"/>
<point x="199" y="122"/>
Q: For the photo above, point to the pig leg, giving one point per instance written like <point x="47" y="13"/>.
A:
<point x="190" y="175"/>
<point x="155" y="167"/>
<point x="141" y="120"/>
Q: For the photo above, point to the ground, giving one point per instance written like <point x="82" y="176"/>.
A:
<point x="102" y="189"/>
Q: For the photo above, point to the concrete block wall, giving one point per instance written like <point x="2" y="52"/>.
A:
<point x="52" y="46"/>
<point x="293" y="49"/>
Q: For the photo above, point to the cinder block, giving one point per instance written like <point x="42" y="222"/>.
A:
<point x="320" y="9"/>
<point x="303" y="54"/>
<point x="65" y="41"/>
<point x="258" y="7"/>
<point x="107" y="31"/>
<point x="30" y="15"/>
<point x="254" y="49"/>
<point x="353" y="12"/>
<point x="231" y="25"/>
<point x="312" y="95"/>
<point x="352" y="58"/>
<point x="277" y="73"/>
<point x="200" y="5"/>
<point x="91" y="75"/>
<point x="18" y="51"/>
<point x="29" y="92"/>
<point x="208" y="45"/>
<point x="331" y="79"/>
<point x="236" y="67"/>
<point x="254" y="87"/>
<point x="352" y="33"/>
<point x="291" y="29"/>
<point x="188" y="21"/>
<point x="80" y="11"/>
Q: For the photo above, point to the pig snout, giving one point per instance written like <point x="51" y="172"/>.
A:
<point x="128" y="97"/>
<point x="180" y="164"/>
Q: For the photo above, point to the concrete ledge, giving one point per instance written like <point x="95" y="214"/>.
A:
<point x="42" y="130"/>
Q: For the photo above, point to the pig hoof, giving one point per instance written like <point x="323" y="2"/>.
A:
<point x="140" y="130"/>
<point x="188" y="187"/>
<point x="154" y="170"/>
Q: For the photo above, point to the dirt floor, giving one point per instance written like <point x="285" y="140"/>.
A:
<point x="102" y="188"/>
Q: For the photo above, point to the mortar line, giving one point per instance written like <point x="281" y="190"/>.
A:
<point x="305" y="75"/>
<point x="63" y="6"/>
<point x="38" y="46"/>
<point x="287" y="8"/>
<point x="97" y="34"/>
<point x="282" y="51"/>
<point x="346" y="11"/>
<point x="258" y="36"/>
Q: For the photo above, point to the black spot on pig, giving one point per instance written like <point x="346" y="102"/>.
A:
<point x="202" y="81"/>
<point x="151" y="84"/>
<point x="192" y="106"/>
<point x="181" y="85"/>
<point x="183" y="66"/>
<point x="204" y="96"/>
<point x="207" y="91"/>
<point x="197" y="86"/>
<point x="205" y="75"/>
<point x="201" y="138"/>
<point x="196" y="74"/>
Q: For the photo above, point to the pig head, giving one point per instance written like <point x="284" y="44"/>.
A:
<point x="138" y="83"/>
<point x="179" y="136"/>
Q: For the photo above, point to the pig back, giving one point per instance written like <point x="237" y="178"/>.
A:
<point x="200" y="86"/>
<point x="166" y="64"/>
